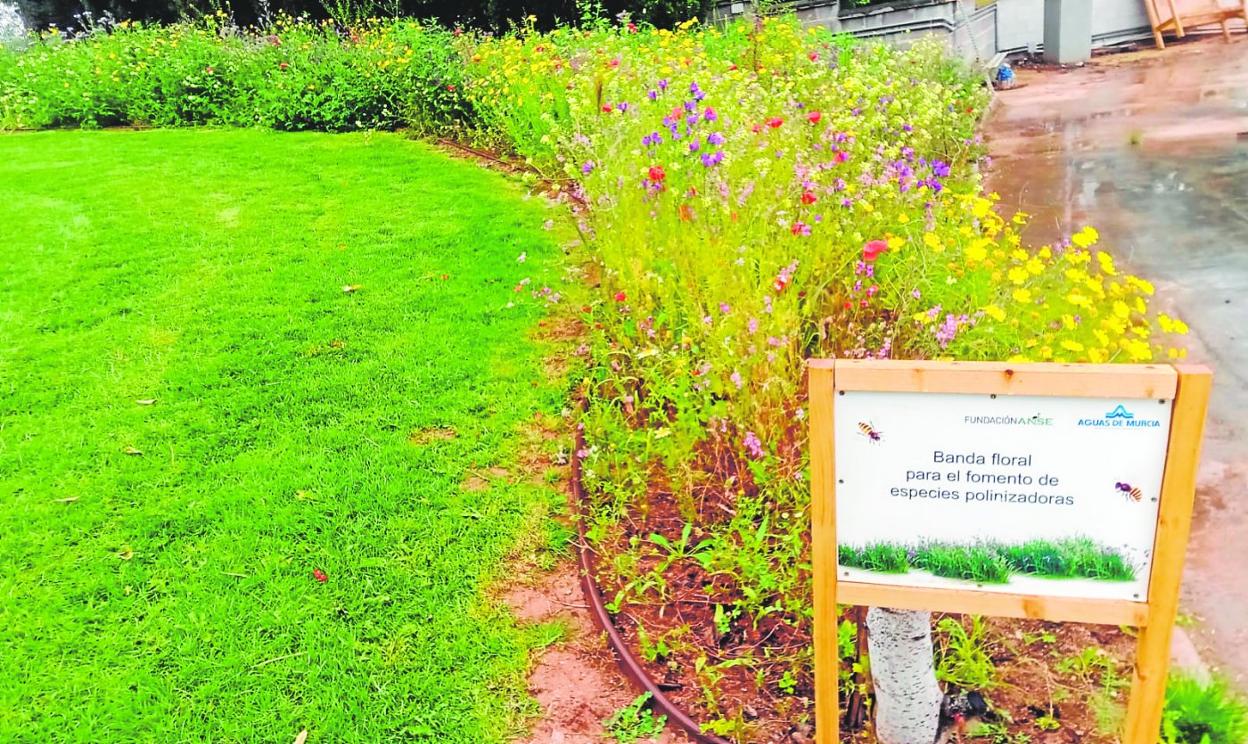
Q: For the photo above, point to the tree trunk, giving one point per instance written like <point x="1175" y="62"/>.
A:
<point x="907" y="697"/>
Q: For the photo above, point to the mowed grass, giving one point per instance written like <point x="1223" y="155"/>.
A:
<point x="169" y="596"/>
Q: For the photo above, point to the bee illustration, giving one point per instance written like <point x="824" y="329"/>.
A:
<point x="1130" y="492"/>
<point x="869" y="432"/>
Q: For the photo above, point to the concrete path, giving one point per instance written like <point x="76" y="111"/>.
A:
<point x="1152" y="149"/>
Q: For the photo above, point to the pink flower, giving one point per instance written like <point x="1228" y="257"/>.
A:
<point x="620" y="296"/>
<point x="320" y="575"/>
<point x="873" y="249"/>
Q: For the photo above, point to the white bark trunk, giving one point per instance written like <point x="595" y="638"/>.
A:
<point x="907" y="697"/>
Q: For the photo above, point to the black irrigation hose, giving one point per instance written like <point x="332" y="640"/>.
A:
<point x="593" y="597"/>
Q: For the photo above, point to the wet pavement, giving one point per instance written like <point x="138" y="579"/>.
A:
<point x="1152" y="149"/>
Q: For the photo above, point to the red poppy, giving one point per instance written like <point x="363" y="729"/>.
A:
<point x="451" y="88"/>
<point x="620" y="296"/>
<point x="779" y="284"/>
<point x="606" y="109"/>
<point x="320" y="575"/>
<point x="775" y="122"/>
<point x="657" y="174"/>
<point x="283" y="66"/>
<point x="808" y="197"/>
<point x="632" y="28"/>
<point x="873" y="249"/>
<point x="813" y="117"/>
<point x="814" y="56"/>
<point x="732" y="67"/>
<point x="686" y="213"/>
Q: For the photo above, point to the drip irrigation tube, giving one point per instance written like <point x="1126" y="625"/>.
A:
<point x="628" y="663"/>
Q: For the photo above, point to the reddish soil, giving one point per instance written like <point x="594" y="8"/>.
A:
<point x="576" y="682"/>
<point x="1040" y="691"/>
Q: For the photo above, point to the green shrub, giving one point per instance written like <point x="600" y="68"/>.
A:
<point x="1200" y="713"/>
<point x="291" y="75"/>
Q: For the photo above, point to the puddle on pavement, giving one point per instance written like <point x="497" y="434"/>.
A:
<point x="1152" y="149"/>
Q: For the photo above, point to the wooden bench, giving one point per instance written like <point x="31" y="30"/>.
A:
<point x="1179" y="15"/>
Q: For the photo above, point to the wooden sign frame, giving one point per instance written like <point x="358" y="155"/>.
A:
<point x="1187" y="385"/>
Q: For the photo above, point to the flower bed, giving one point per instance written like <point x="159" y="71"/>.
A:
<point x="754" y="195"/>
<point x="759" y="195"/>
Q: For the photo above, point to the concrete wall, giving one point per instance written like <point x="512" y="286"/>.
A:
<point x="1006" y="26"/>
<point x="1020" y="23"/>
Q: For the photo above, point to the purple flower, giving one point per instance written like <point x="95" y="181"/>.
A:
<point x="697" y="93"/>
<point x="588" y="167"/>
<point x="753" y="446"/>
<point x="940" y="169"/>
<point x="715" y="138"/>
<point x="653" y="95"/>
<point x="710" y="160"/>
<point x="622" y="106"/>
<point x="710" y="114"/>
<point x="663" y="84"/>
<point x="695" y="145"/>
<point x="652" y="139"/>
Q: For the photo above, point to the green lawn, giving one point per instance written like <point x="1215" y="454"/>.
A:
<point x="169" y="596"/>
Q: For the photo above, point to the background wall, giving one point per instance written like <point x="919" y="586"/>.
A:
<point x="1005" y="26"/>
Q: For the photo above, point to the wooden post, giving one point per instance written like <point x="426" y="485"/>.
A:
<point x="1148" y="689"/>
<point x="822" y="391"/>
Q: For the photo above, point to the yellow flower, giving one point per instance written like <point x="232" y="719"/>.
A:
<point x="1069" y="345"/>
<point x="931" y="241"/>
<point x="1137" y="350"/>
<point x="994" y="312"/>
<point x="1018" y="275"/>
<point x="1035" y="266"/>
<point x="1107" y="263"/>
<point x="1141" y="284"/>
<point x="895" y="243"/>
<point x="1019" y="255"/>
<point x="1078" y="300"/>
<point x="1171" y="325"/>
<point x="1085" y="237"/>
<point x="980" y="207"/>
<point x="976" y="252"/>
<point x="1022" y="296"/>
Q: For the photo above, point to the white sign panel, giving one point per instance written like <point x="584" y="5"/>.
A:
<point x="1027" y="495"/>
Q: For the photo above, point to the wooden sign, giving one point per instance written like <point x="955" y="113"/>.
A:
<point x="1046" y="491"/>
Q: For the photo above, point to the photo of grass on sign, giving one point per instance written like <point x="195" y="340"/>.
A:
<point x="1025" y="494"/>
<point x="995" y="563"/>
